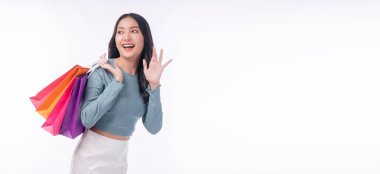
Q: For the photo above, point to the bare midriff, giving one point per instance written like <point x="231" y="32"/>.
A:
<point x="108" y="135"/>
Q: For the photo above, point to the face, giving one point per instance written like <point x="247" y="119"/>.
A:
<point x="129" y="39"/>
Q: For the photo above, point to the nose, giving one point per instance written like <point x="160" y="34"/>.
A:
<point x="127" y="36"/>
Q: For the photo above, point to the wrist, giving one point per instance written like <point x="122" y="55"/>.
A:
<point x="153" y="86"/>
<point x="119" y="80"/>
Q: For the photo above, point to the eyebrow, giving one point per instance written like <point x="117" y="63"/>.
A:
<point x="128" y="27"/>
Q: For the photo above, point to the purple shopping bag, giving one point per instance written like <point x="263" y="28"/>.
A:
<point x="72" y="125"/>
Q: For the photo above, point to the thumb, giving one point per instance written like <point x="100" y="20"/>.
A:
<point x="116" y="64"/>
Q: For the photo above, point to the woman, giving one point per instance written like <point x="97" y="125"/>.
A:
<point x="125" y="89"/>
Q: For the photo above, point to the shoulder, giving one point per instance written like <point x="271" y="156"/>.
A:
<point x="100" y="74"/>
<point x="99" y="71"/>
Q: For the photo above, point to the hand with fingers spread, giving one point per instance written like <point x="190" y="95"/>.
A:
<point x="154" y="72"/>
<point x="115" y="71"/>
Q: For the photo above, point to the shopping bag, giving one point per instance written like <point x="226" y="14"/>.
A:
<point x="72" y="125"/>
<point x="44" y="93"/>
<point x="60" y="101"/>
<point x="55" y="117"/>
<point x="50" y="101"/>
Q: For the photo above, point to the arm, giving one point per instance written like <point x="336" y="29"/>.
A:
<point x="97" y="99"/>
<point x="152" y="120"/>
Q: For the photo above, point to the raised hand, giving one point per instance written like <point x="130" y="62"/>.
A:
<point x="115" y="71"/>
<point x="154" y="72"/>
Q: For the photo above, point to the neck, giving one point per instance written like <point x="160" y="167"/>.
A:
<point x="128" y="65"/>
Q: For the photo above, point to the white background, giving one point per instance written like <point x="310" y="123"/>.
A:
<point x="255" y="87"/>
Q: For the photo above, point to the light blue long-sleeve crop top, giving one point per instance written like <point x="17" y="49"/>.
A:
<point x="115" y="107"/>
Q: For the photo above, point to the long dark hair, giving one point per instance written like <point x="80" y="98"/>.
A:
<point x="146" y="54"/>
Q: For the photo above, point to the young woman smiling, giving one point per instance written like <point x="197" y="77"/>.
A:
<point x="125" y="89"/>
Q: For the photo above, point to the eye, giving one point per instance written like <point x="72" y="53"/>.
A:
<point x="120" y="32"/>
<point x="134" y="31"/>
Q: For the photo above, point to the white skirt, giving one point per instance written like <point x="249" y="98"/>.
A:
<point x="97" y="154"/>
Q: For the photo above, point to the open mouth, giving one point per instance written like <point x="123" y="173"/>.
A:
<point x="129" y="46"/>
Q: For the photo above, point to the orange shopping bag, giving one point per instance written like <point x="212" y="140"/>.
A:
<point x="48" y="104"/>
<point x="44" y="93"/>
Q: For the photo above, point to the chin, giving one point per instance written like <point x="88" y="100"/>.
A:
<point x="128" y="56"/>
